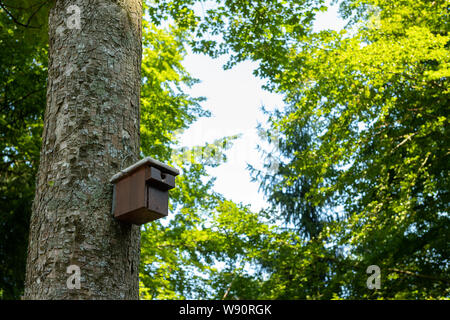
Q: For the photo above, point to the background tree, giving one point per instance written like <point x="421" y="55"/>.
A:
<point x="23" y="72"/>
<point x="376" y="105"/>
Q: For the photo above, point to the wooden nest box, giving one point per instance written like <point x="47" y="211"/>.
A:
<point x="141" y="191"/>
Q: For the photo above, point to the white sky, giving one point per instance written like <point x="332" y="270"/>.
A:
<point x="234" y="98"/>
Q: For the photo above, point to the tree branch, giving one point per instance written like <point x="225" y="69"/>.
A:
<point x="16" y="21"/>
<point x="423" y="276"/>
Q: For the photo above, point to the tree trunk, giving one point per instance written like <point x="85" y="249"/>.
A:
<point x="91" y="131"/>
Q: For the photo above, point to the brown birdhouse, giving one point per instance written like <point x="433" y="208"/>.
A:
<point x="141" y="191"/>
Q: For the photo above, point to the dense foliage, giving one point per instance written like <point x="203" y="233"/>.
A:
<point x="23" y="73"/>
<point x="371" y="107"/>
<point x="362" y="143"/>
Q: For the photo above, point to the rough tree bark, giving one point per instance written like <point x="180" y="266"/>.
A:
<point x="91" y="131"/>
